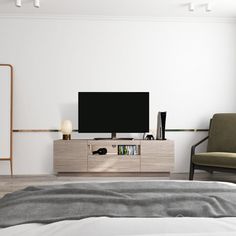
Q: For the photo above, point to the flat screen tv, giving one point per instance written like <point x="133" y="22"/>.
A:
<point x="113" y="112"/>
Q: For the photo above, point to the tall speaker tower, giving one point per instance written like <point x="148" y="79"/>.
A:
<point x="161" y="125"/>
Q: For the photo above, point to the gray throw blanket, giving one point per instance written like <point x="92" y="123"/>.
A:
<point x="47" y="204"/>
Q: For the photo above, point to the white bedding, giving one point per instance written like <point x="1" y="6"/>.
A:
<point x="103" y="226"/>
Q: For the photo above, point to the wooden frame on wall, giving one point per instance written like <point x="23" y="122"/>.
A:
<point x="10" y="158"/>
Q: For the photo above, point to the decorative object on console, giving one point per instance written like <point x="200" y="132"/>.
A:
<point x="161" y="125"/>
<point x="148" y="136"/>
<point x="101" y="151"/>
<point x="66" y="129"/>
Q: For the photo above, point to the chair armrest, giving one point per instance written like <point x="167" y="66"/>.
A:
<point x="195" y="145"/>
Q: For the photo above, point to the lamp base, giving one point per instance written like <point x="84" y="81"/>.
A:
<point x="66" y="137"/>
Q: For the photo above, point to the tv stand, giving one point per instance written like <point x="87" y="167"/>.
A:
<point x="137" y="156"/>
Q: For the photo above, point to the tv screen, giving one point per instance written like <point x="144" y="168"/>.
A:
<point x="113" y="112"/>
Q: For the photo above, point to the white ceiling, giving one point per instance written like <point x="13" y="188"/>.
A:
<point x="120" y="8"/>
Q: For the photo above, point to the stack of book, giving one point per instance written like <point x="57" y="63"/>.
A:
<point x="128" y="150"/>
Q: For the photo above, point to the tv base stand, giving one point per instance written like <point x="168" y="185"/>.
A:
<point x="113" y="138"/>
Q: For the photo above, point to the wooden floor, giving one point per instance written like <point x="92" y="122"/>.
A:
<point x="9" y="184"/>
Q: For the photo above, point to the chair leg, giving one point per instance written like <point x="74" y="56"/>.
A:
<point x="191" y="173"/>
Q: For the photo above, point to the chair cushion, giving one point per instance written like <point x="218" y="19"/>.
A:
<point x="218" y="159"/>
<point x="222" y="133"/>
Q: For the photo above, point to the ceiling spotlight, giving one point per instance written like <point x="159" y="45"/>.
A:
<point x="37" y="3"/>
<point x="18" y="3"/>
<point x="208" y="7"/>
<point x="191" y="6"/>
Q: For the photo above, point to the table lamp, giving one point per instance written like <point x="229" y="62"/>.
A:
<point x="66" y="129"/>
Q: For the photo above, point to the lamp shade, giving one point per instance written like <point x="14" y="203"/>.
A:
<point x="66" y="127"/>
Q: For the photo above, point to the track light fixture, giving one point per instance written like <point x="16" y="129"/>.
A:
<point x="208" y="7"/>
<point x="37" y="3"/>
<point x="191" y="6"/>
<point x="18" y="3"/>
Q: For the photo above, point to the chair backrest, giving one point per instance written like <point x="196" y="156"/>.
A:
<point x="222" y="133"/>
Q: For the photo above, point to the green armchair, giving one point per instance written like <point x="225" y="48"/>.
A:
<point x="221" y="148"/>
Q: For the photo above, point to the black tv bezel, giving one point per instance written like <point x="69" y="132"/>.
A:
<point x="114" y="132"/>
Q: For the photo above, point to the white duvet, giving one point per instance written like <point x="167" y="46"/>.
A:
<point x="103" y="226"/>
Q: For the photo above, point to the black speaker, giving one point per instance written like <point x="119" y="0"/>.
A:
<point x="161" y="125"/>
<point x="149" y="137"/>
<point x="100" y="151"/>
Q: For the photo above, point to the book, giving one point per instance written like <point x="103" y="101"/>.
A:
<point x="128" y="150"/>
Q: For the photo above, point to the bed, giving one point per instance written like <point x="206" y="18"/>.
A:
<point x="121" y="208"/>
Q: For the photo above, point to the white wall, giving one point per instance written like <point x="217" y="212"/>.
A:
<point x="188" y="68"/>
